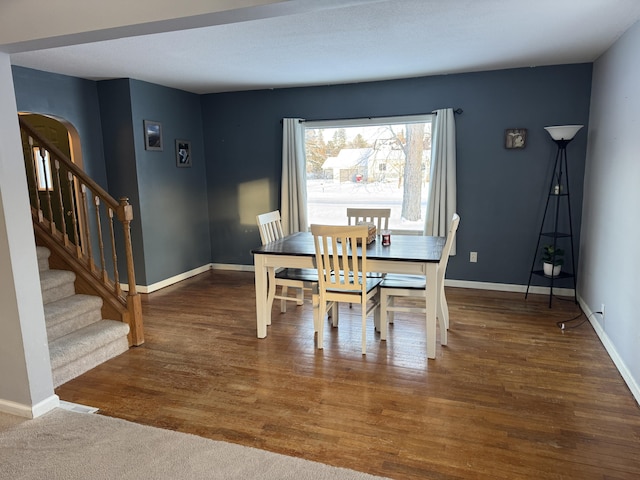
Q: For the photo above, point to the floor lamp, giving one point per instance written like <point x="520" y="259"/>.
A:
<point x="559" y="190"/>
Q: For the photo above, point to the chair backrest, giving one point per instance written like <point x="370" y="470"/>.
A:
<point x="446" y="250"/>
<point x="378" y="216"/>
<point x="270" y="226"/>
<point x="340" y="266"/>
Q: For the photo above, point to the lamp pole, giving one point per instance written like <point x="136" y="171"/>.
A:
<point x="562" y="136"/>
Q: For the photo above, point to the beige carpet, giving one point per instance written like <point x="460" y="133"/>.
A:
<point x="83" y="446"/>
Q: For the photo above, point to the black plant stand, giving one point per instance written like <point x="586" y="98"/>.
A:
<point x="557" y="196"/>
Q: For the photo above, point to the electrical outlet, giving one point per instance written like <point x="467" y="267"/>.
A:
<point x="473" y="257"/>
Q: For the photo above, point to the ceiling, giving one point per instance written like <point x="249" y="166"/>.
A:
<point x="333" y="41"/>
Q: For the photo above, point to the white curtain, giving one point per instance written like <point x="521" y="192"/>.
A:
<point x="442" y="179"/>
<point x="293" y="208"/>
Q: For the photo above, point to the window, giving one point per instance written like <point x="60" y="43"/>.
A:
<point x="370" y="163"/>
<point x="43" y="170"/>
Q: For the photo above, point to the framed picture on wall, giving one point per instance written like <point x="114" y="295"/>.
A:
<point x="152" y="135"/>
<point x="183" y="153"/>
<point x="515" y="137"/>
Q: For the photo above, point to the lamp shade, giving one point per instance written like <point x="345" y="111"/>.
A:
<point x="563" y="132"/>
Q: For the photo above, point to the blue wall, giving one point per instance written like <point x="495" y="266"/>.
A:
<point x="69" y="98"/>
<point x="173" y="201"/>
<point x="120" y="155"/>
<point x="192" y="216"/>
<point x="170" y="231"/>
<point x="501" y="193"/>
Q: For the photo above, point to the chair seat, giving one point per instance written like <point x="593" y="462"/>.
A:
<point x="414" y="286"/>
<point x="375" y="275"/>
<point x="302" y="274"/>
<point x="412" y="282"/>
<point x="270" y="227"/>
<point x="371" y="284"/>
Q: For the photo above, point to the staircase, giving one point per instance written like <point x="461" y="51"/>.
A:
<point x="79" y="338"/>
<point x="83" y="236"/>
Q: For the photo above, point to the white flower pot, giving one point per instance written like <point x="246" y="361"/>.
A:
<point x="550" y="270"/>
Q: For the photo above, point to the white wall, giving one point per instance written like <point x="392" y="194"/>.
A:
<point x="609" y="269"/>
<point x="26" y="387"/>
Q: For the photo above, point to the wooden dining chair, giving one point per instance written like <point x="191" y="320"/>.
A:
<point x="398" y="285"/>
<point x="341" y="270"/>
<point x="378" y="216"/>
<point x="270" y="227"/>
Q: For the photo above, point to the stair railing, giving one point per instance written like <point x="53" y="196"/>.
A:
<point x="73" y="216"/>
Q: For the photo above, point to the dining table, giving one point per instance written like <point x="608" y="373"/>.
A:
<point x="406" y="254"/>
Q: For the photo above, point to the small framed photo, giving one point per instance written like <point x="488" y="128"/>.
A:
<point x="183" y="153"/>
<point x="515" y="137"/>
<point x="152" y="135"/>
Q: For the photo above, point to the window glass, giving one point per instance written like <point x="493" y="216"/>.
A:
<point x="369" y="163"/>
<point x="43" y="172"/>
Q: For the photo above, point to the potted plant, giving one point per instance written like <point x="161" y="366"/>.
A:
<point x="552" y="260"/>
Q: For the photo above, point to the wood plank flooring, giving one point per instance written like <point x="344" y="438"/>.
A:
<point x="511" y="397"/>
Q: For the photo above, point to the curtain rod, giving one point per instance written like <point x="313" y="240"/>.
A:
<point x="457" y="111"/>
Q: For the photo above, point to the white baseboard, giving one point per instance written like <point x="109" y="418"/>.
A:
<point x="191" y="273"/>
<point x="508" y="287"/>
<point x="26" y="411"/>
<point x="169" y="281"/>
<point x="235" y="268"/>
<point x="611" y="350"/>
<point x="502" y="287"/>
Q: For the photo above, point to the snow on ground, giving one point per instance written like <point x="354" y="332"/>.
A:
<point x="328" y="201"/>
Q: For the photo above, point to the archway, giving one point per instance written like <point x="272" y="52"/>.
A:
<point x="64" y="136"/>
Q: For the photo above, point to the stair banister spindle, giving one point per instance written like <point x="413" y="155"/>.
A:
<point x="114" y="255"/>
<point x="47" y="189"/>
<point x="56" y="180"/>
<point x="34" y="166"/>
<point x="103" y="268"/>
<point x="87" y="233"/>
<point x="74" y="217"/>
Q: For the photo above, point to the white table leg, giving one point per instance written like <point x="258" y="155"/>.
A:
<point x="261" y="295"/>
<point x="443" y="314"/>
<point x="431" y="307"/>
<point x="271" y="280"/>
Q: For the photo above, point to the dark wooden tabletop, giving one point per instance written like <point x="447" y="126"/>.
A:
<point x="409" y="248"/>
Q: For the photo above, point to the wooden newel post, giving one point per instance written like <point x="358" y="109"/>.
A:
<point x="134" y="305"/>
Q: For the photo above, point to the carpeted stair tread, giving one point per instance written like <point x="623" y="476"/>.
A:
<point x="79" y="339"/>
<point x="56" y="284"/>
<point x="74" y="368"/>
<point x="43" y="254"/>
<point x="86" y="340"/>
<point x="71" y="313"/>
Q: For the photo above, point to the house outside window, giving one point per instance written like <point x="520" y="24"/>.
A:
<point x="369" y="163"/>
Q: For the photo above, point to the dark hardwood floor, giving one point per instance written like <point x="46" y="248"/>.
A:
<point x="511" y="397"/>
